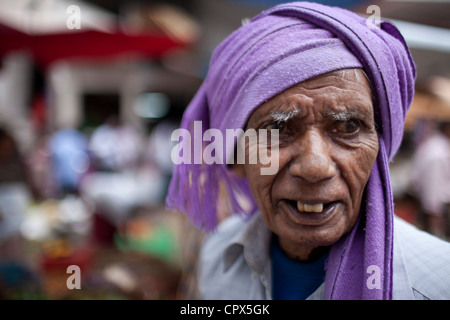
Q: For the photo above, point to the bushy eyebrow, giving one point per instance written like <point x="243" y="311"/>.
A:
<point x="284" y="116"/>
<point x="344" y="115"/>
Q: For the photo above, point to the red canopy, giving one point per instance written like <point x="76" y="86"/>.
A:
<point x="48" y="48"/>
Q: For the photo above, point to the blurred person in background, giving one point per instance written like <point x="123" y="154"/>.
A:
<point x="430" y="180"/>
<point x="322" y="226"/>
<point x="115" y="186"/>
<point x="157" y="154"/>
<point x="115" y="146"/>
<point x="70" y="160"/>
<point x="16" y="193"/>
<point x="40" y="165"/>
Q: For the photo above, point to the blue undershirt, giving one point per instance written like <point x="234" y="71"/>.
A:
<point x="294" y="280"/>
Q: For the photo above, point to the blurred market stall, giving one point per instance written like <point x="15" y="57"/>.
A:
<point x="67" y="67"/>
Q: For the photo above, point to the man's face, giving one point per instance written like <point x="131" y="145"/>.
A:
<point x="327" y="146"/>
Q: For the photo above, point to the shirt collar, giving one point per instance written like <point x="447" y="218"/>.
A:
<point x="253" y="242"/>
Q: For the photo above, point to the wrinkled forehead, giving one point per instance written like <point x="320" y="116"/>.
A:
<point x="344" y="91"/>
<point x="351" y="78"/>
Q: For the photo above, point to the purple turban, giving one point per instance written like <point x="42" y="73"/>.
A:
<point x="277" y="49"/>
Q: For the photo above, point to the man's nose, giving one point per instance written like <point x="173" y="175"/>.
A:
<point x="312" y="160"/>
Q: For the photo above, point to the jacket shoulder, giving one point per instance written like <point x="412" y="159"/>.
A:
<point x="426" y="259"/>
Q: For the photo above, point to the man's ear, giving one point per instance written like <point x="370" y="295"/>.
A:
<point x="238" y="169"/>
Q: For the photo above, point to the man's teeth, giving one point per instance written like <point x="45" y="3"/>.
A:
<point x="305" y="207"/>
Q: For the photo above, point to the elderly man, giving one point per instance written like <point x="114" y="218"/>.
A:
<point x="334" y="92"/>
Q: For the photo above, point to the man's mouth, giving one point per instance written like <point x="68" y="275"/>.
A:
<point x="313" y="207"/>
<point x="313" y="212"/>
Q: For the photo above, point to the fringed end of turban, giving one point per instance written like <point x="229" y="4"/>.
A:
<point x="207" y="194"/>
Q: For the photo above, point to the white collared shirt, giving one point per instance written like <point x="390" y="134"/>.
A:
<point x="235" y="263"/>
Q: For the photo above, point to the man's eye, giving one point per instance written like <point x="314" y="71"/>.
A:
<point x="348" y="127"/>
<point x="280" y="126"/>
